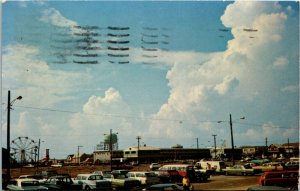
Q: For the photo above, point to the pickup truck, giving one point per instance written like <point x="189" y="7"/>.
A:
<point x="92" y="182"/>
<point x="120" y="180"/>
<point x="61" y="182"/>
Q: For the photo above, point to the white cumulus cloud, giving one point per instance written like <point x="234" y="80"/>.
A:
<point x="29" y="76"/>
<point x="54" y="17"/>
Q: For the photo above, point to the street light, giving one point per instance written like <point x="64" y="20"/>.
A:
<point x="231" y="133"/>
<point x="9" y="105"/>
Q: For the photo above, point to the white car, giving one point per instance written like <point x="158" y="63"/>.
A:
<point x="146" y="178"/>
<point x="92" y="181"/>
<point x="26" y="176"/>
<point x="25" y="184"/>
<point x="154" y="166"/>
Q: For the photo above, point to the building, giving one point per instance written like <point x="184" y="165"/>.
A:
<point x="142" y="154"/>
<point x="103" y="156"/>
<point x="78" y="158"/>
<point x="152" y="154"/>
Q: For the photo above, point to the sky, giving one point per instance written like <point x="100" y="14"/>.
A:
<point x="170" y="72"/>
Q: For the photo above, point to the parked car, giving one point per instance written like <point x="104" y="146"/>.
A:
<point x="168" y="176"/>
<point x="43" y="175"/>
<point x="25" y="184"/>
<point x="240" y="170"/>
<point x="186" y="170"/>
<point x="271" y="166"/>
<point x="166" y="186"/>
<point x="120" y="180"/>
<point x="279" y="178"/>
<point x="26" y="176"/>
<point x="61" y="182"/>
<point x="105" y="174"/>
<point x="292" y="165"/>
<point x="92" y="182"/>
<point x="146" y="178"/>
<point x="262" y="188"/>
<point x="154" y="166"/>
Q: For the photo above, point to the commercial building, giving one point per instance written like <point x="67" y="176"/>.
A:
<point x="153" y="154"/>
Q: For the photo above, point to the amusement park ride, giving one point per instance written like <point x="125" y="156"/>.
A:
<point x="24" y="150"/>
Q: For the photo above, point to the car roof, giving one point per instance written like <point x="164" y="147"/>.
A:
<point x="87" y="174"/>
<point x="26" y="179"/>
<point x="280" y="172"/>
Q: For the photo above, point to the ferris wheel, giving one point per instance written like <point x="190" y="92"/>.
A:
<point x="24" y="150"/>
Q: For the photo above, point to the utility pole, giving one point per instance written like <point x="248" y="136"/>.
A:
<point x="8" y="136"/>
<point x="266" y="147"/>
<point x="215" y="146"/>
<point x="78" y="154"/>
<point x="288" y="147"/>
<point x="39" y="145"/>
<point x="197" y="143"/>
<point x="110" y="148"/>
<point x="232" y="143"/>
<point x="138" y="148"/>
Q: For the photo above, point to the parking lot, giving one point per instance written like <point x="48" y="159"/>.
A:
<point x="222" y="182"/>
<point x="216" y="182"/>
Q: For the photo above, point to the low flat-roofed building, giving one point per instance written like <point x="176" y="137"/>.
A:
<point x="103" y="156"/>
<point x="154" y="154"/>
<point x="142" y="153"/>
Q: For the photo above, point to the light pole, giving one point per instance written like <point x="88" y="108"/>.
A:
<point x="9" y="105"/>
<point x="231" y="133"/>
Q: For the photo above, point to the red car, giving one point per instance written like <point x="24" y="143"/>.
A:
<point x="279" y="178"/>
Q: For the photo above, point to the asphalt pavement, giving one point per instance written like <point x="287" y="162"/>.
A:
<point x="222" y="182"/>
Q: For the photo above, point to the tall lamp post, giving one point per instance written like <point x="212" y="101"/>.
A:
<point x="231" y="133"/>
<point x="9" y="105"/>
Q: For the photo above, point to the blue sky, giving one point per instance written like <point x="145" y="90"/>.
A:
<point x="170" y="92"/>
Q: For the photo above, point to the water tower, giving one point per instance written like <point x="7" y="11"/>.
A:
<point x="111" y="139"/>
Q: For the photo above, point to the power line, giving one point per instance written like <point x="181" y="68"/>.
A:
<point x="98" y="114"/>
<point x="146" y="118"/>
<point x="268" y="125"/>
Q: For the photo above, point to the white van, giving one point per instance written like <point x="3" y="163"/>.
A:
<point x="217" y="166"/>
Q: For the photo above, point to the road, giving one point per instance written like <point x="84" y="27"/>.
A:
<point x="222" y="182"/>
